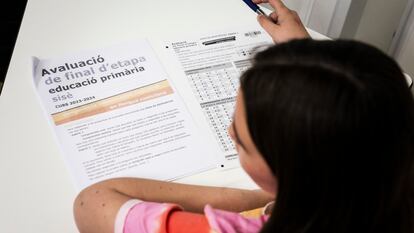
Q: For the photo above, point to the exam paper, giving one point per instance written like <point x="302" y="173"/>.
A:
<point x="115" y="112"/>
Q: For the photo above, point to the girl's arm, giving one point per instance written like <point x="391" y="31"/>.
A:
<point x="96" y="207"/>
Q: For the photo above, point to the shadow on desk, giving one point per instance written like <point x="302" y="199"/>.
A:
<point x="11" y="15"/>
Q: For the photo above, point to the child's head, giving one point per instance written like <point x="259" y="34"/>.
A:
<point x="329" y="127"/>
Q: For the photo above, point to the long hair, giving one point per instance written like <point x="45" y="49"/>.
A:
<point x="334" y="120"/>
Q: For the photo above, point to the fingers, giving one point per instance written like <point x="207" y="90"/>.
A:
<point x="282" y="24"/>
<point x="268" y="25"/>
<point x="278" y="5"/>
<point x="260" y="1"/>
<point x="274" y="16"/>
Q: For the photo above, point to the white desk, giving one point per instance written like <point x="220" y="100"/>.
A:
<point x="37" y="192"/>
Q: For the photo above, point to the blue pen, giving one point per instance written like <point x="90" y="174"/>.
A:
<point x="254" y="7"/>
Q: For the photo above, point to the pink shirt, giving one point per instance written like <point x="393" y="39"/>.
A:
<point x="148" y="217"/>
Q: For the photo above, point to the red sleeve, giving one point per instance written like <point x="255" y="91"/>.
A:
<point x="186" y="222"/>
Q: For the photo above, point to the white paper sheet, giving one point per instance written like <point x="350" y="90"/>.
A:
<point x="212" y="64"/>
<point x="115" y="113"/>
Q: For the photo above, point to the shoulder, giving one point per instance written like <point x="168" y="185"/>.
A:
<point x="229" y="222"/>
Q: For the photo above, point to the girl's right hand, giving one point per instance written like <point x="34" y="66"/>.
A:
<point x="283" y="24"/>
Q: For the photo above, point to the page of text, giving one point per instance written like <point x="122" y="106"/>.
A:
<point x="115" y="113"/>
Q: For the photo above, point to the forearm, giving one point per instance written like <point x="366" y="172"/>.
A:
<point x="191" y="197"/>
<point x="96" y="207"/>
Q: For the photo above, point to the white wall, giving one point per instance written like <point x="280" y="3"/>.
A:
<point x="301" y="6"/>
<point x="340" y="14"/>
<point x="324" y="16"/>
<point x="405" y="51"/>
<point x="372" y="21"/>
<point x="322" y="13"/>
<point x="379" y="22"/>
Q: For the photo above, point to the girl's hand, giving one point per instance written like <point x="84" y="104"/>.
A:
<point x="283" y="24"/>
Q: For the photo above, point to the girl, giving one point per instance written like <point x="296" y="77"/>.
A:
<point x="326" y="130"/>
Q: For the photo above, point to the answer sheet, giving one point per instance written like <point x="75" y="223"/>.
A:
<point x="212" y="64"/>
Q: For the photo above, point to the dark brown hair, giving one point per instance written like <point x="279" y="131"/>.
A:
<point x="335" y="122"/>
